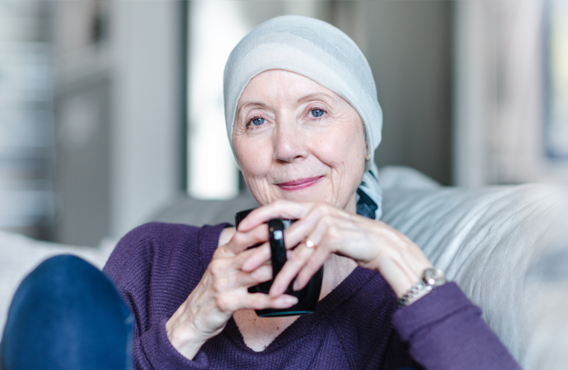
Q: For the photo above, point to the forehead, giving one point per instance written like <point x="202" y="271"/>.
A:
<point x="281" y="84"/>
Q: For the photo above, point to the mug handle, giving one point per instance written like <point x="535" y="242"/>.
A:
<point x="277" y="246"/>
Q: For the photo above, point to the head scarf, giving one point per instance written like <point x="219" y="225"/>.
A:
<point x="323" y="53"/>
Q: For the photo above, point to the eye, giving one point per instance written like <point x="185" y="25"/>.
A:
<point x="257" y="121"/>
<point x="317" y="112"/>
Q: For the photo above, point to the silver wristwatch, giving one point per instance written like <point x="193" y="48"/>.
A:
<point x="431" y="279"/>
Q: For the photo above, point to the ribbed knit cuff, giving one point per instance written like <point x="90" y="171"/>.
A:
<point x="435" y="306"/>
<point x="163" y="355"/>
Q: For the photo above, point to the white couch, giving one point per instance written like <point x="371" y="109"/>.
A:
<point x="502" y="247"/>
<point x="497" y="243"/>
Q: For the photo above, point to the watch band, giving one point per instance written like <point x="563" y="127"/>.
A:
<point x="431" y="279"/>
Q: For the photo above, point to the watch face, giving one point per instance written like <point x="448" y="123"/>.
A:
<point x="434" y="277"/>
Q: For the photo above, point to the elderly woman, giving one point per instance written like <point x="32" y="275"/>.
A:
<point x="303" y="120"/>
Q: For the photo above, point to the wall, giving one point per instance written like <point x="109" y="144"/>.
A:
<point x="118" y="114"/>
<point x="146" y="136"/>
<point x="26" y="120"/>
<point x="409" y="47"/>
<point x="501" y="97"/>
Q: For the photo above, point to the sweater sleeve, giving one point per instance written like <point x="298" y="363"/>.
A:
<point x="138" y="259"/>
<point x="445" y="331"/>
<point x="153" y="350"/>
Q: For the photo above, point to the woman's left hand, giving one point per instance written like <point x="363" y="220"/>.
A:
<point x="372" y="244"/>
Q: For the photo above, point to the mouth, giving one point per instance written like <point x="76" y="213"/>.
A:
<point x="299" y="184"/>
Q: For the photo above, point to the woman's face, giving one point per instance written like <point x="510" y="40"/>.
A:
<point x="299" y="141"/>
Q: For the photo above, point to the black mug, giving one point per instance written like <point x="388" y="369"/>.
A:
<point x="307" y="297"/>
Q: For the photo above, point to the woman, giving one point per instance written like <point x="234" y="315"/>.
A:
<point x="303" y="120"/>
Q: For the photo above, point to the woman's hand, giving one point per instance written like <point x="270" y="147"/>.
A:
<point x="223" y="290"/>
<point x="372" y="244"/>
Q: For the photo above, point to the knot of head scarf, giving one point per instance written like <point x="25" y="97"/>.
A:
<point x="323" y="53"/>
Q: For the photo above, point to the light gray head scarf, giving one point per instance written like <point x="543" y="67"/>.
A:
<point x="323" y="53"/>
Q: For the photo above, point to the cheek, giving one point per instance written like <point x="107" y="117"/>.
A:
<point x="342" y="148"/>
<point x="254" y="157"/>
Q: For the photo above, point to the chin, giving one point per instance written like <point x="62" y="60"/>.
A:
<point x="308" y="195"/>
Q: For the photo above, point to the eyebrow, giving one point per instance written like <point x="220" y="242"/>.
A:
<point x="313" y="95"/>
<point x="248" y="104"/>
<point x="300" y="100"/>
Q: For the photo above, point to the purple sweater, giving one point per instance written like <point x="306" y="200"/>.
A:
<point x="356" y="326"/>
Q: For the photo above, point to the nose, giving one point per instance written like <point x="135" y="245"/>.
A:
<point x="289" y="141"/>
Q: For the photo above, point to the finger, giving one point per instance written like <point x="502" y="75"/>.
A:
<point x="243" y="240"/>
<point x="278" y="209"/>
<point x="235" y="262"/>
<point x="234" y="301"/>
<point x="314" y="263"/>
<point x="324" y="237"/>
<point x="259" y="275"/>
<point x="302" y="253"/>
<point x="310" y="230"/>
<point x="290" y="270"/>
<point x="312" y="226"/>
<point x="225" y="266"/>
<point x="258" y="256"/>
<point x="243" y="279"/>
<point x="260" y="301"/>
<point x="263" y="253"/>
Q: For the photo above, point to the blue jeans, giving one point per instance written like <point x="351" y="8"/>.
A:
<point x="67" y="314"/>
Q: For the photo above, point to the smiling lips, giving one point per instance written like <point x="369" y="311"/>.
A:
<point x="299" y="184"/>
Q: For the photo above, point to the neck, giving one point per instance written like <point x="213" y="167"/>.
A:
<point x="351" y="205"/>
<point x="336" y="269"/>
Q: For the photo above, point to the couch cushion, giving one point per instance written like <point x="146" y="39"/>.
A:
<point x="204" y="212"/>
<point x="493" y="242"/>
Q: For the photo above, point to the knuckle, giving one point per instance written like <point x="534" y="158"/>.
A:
<point x="224" y="302"/>
<point x="333" y="232"/>
<point x="324" y="208"/>
<point x="262" y="274"/>
<point x="296" y="258"/>
<point x="257" y="302"/>
<point x="279" y="204"/>
<point x="260" y="233"/>
<point x="217" y="267"/>
<point x="219" y="286"/>
<point x="312" y="264"/>
<point x="238" y="238"/>
<point x="326" y="220"/>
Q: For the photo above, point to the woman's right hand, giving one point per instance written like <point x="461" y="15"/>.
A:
<point x="223" y="290"/>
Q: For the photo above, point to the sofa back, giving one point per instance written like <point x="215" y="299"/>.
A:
<point x="502" y="246"/>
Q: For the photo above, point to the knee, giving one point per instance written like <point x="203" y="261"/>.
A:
<point x="62" y="268"/>
<point x="66" y="300"/>
<point x="66" y="284"/>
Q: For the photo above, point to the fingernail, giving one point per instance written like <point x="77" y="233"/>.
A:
<point x="291" y="300"/>
<point x="295" y="286"/>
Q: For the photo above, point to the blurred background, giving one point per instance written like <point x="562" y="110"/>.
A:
<point x="111" y="110"/>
